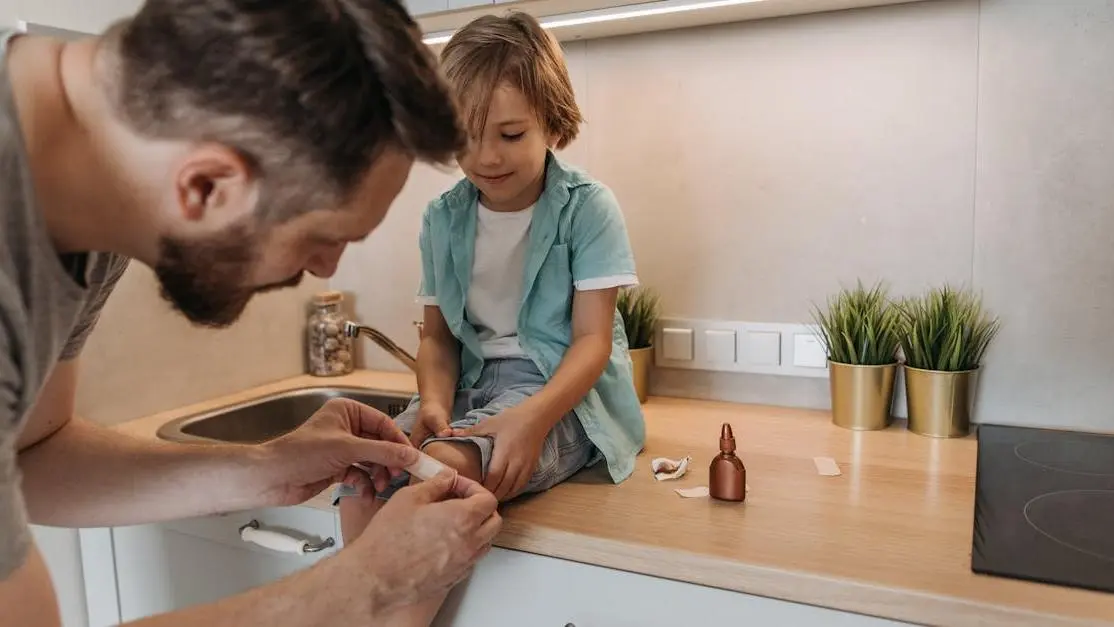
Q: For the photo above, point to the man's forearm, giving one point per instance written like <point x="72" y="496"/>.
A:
<point x="87" y="475"/>
<point x="438" y="372"/>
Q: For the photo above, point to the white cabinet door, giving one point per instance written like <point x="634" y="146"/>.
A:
<point x="170" y="566"/>
<point x="513" y="589"/>
<point x="61" y="550"/>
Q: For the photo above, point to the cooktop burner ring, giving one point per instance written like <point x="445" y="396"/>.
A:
<point x="1070" y="457"/>
<point x="1035" y="508"/>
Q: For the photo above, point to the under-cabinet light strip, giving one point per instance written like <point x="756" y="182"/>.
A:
<point x="648" y="9"/>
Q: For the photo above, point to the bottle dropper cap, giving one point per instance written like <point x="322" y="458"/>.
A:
<point x="726" y="439"/>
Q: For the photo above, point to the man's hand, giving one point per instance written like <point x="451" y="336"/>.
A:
<point x="426" y="539"/>
<point x="431" y="422"/>
<point x="518" y="446"/>
<point x="302" y="463"/>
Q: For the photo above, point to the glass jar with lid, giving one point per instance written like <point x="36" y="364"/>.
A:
<point x="329" y="350"/>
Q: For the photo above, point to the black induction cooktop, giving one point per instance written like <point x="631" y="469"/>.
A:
<point x="1044" y="506"/>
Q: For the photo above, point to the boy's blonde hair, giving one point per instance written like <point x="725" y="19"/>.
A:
<point x="513" y="48"/>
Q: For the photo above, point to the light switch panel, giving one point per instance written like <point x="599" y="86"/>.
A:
<point x="765" y="348"/>
<point x="719" y="346"/>
<point x="762" y="348"/>
<point x="676" y="344"/>
<point x="808" y="351"/>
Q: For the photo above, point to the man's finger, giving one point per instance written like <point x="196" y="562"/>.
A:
<point x="463" y="487"/>
<point x="439" y="488"/>
<point x="372" y="423"/>
<point x="378" y="452"/>
<point x="489" y="529"/>
<point x="478" y="506"/>
<point x="381" y="479"/>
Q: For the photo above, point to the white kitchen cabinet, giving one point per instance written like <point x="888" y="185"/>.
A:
<point x="61" y="550"/>
<point x="170" y="566"/>
<point x="512" y="589"/>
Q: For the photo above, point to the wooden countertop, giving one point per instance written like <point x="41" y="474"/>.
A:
<point x="890" y="537"/>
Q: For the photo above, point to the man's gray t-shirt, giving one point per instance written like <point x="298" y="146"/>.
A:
<point x="48" y="306"/>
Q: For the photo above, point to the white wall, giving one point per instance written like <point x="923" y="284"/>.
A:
<point x="759" y="165"/>
<point x="1044" y="228"/>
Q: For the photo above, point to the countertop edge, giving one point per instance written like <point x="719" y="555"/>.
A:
<point x="846" y="595"/>
<point x="836" y="593"/>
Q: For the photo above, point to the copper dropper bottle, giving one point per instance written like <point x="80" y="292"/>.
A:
<point x="727" y="480"/>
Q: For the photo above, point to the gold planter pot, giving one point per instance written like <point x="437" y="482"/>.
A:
<point x="642" y="359"/>
<point x="940" y="403"/>
<point x="862" y="396"/>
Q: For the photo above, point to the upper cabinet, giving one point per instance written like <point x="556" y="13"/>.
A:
<point x="587" y="19"/>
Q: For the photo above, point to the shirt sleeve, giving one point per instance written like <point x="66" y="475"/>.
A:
<point x="601" y="252"/>
<point x="427" y="290"/>
<point x="102" y="280"/>
<point x="15" y="534"/>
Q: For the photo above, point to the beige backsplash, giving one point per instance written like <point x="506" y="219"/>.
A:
<point x="759" y="165"/>
<point x="144" y="357"/>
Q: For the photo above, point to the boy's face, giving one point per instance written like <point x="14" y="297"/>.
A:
<point x="507" y="162"/>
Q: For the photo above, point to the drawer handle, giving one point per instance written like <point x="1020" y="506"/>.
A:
<point x="278" y="541"/>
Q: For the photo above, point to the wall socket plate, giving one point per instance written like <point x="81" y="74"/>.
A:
<point x="745" y="347"/>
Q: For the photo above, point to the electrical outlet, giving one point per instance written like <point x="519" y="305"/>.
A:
<point x="758" y="347"/>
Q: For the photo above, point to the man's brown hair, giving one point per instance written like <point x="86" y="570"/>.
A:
<point x="512" y="48"/>
<point x="308" y="92"/>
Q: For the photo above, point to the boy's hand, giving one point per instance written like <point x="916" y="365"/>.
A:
<point x="431" y="422"/>
<point x="518" y="446"/>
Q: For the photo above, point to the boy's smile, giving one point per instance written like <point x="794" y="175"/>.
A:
<point x="507" y="159"/>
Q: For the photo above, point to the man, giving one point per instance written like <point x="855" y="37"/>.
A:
<point x="231" y="145"/>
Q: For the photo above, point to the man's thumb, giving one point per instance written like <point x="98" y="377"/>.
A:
<point x="438" y="488"/>
<point x="388" y="454"/>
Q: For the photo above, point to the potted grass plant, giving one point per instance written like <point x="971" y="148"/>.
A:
<point x="946" y="333"/>
<point x="860" y="330"/>
<point x="640" y="308"/>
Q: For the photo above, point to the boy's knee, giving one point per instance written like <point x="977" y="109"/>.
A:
<point x="464" y="457"/>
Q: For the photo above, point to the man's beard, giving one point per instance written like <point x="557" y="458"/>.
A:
<point x="208" y="280"/>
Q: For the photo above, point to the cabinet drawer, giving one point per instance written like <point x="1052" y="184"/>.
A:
<point x="305" y="523"/>
<point x="170" y="566"/>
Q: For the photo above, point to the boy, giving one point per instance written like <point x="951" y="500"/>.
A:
<point x="524" y="376"/>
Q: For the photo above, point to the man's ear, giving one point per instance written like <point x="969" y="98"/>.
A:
<point x="214" y="184"/>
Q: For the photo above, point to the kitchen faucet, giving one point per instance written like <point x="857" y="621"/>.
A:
<point x="351" y="329"/>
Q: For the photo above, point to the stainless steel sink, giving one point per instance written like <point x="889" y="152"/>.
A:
<point x="268" y="417"/>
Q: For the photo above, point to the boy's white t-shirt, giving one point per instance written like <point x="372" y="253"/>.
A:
<point x="498" y="267"/>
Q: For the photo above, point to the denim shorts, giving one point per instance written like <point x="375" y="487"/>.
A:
<point x="504" y="383"/>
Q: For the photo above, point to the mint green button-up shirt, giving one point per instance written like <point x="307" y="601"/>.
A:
<point x="578" y="241"/>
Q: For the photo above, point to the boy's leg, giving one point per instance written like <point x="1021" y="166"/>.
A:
<point x="566" y="450"/>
